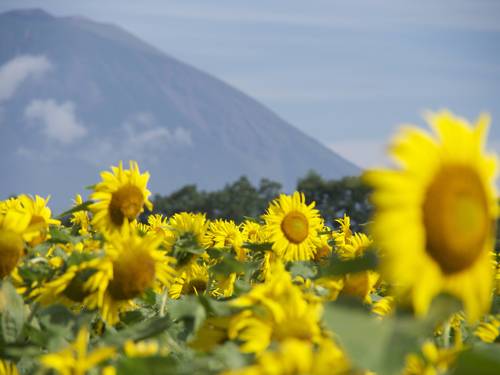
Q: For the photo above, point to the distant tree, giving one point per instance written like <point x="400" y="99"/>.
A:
<point x="239" y="199"/>
<point x="234" y="201"/>
<point x="335" y="197"/>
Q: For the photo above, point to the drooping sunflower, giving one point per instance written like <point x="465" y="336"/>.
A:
<point x="435" y="214"/>
<point x="120" y="197"/>
<point x="293" y="227"/>
<point x="80" y="218"/>
<point x="13" y="227"/>
<point x="41" y="217"/>
<point x="132" y="264"/>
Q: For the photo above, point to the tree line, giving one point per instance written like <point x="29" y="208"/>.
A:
<point x="242" y="199"/>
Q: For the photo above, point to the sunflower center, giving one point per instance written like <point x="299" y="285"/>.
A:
<point x="75" y="290"/>
<point x="11" y="249"/>
<point x="132" y="275"/>
<point x="196" y="286"/>
<point x="126" y="202"/>
<point x="456" y="220"/>
<point x="295" y="227"/>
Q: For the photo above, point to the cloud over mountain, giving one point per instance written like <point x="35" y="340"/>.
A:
<point x="15" y="71"/>
<point x="57" y="120"/>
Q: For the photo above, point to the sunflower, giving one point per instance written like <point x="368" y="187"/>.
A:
<point x="8" y="368"/>
<point x="193" y="279"/>
<point x="132" y="265"/>
<point x="293" y="227"/>
<point x="187" y="226"/>
<point x="488" y="331"/>
<point x="299" y="357"/>
<point x="225" y="234"/>
<point x="76" y="358"/>
<point x="40" y="217"/>
<point x="67" y="288"/>
<point x="435" y="214"/>
<point x="275" y="311"/>
<point x="80" y="218"/>
<point x="14" y="225"/>
<point x="120" y="197"/>
<point x="433" y="360"/>
<point x="253" y="232"/>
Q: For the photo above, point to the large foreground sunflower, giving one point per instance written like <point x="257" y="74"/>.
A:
<point x="293" y="227"/>
<point x="435" y="214"/>
<point x="120" y="196"/>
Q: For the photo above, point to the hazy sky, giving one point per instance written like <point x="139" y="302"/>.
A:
<point x="345" y="72"/>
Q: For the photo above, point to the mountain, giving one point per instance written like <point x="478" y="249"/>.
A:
<point x="77" y="96"/>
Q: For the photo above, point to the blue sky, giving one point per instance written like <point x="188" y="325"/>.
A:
<point x="345" y="72"/>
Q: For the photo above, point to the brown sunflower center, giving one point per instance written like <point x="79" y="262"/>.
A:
<point x="126" y="202"/>
<point x="132" y="275"/>
<point x="75" y="290"/>
<point x="196" y="286"/>
<point x="456" y="219"/>
<point x="11" y="249"/>
<point x="295" y="227"/>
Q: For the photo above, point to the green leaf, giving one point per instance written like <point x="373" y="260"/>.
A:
<point x="266" y="246"/>
<point x="11" y="311"/>
<point x="60" y="235"/>
<point x="382" y="345"/>
<point x="140" y="331"/>
<point x="480" y="360"/>
<point x="304" y="269"/>
<point x="228" y="264"/>
<point x="188" y="310"/>
<point x="81" y="207"/>
<point x="368" y="261"/>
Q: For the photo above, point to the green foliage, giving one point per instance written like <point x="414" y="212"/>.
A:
<point x="334" y="198"/>
<point x="241" y="199"/>
<point x="234" y="201"/>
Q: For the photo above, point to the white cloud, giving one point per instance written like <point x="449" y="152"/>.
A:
<point x="14" y="72"/>
<point x="142" y="131"/>
<point x="142" y="139"/>
<point x="58" y="120"/>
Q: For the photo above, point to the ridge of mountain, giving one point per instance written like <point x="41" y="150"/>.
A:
<point x="103" y="95"/>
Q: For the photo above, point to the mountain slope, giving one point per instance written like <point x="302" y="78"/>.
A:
<point x="91" y="94"/>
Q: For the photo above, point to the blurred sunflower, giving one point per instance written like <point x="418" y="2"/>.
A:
<point x="40" y="217"/>
<point x="299" y="357"/>
<point x="75" y="359"/>
<point x="293" y="227"/>
<point x="132" y="265"/>
<point x="68" y="287"/>
<point x="435" y="215"/>
<point x="275" y="311"/>
<point x="488" y="330"/>
<point x="80" y="218"/>
<point x="8" y="368"/>
<point x="120" y="197"/>
<point x="14" y="225"/>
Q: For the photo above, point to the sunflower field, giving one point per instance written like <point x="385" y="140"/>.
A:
<point x="96" y="290"/>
